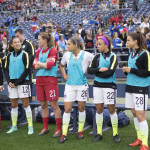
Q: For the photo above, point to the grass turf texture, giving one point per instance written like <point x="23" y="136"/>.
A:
<point x="21" y="141"/>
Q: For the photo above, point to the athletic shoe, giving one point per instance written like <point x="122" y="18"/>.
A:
<point x="62" y="139"/>
<point x="30" y="130"/>
<point x="80" y="135"/>
<point x="116" y="138"/>
<point x="136" y="143"/>
<point x="57" y="134"/>
<point x="97" y="138"/>
<point x="12" y="129"/>
<point x="43" y="132"/>
<point x="144" y="147"/>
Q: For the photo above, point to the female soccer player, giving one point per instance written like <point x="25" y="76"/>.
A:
<point x="104" y="91"/>
<point x="17" y="75"/>
<point x="46" y="83"/>
<point x="76" y="87"/>
<point x="137" y="86"/>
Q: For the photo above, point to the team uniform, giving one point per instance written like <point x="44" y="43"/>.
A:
<point x="76" y="87"/>
<point x="46" y="81"/>
<point x="17" y="72"/>
<point x="137" y="84"/>
<point x="104" y="88"/>
<point x="138" y="80"/>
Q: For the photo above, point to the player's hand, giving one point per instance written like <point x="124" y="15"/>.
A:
<point x="50" y="59"/>
<point x="126" y="69"/>
<point x="103" y="69"/>
<point x="1" y="88"/>
<point x="66" y="77"/>
<point x="11" y="85"/>
<point x="38" y="63"/>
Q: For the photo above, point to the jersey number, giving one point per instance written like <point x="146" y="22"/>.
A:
<point x="110" y="95"/>
<point x="139" y="100"/>
<point x="84" y="93"/>
<point x="25" y="89"/>
<point x="52" y="93"/>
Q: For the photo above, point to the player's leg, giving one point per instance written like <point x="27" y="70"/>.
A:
<point x="140" y="101"/>
<point x="110" y="99"/>
<point x="45" y="117"/>
<point x="28" y="111"/>
<point x="98" y="100"/>
<point x="66" y="120"/>
<point x="14" y="115"/>
<point x="58" y="119"/>
<point x="52" y="95"/>
<point x="82" y="116"/>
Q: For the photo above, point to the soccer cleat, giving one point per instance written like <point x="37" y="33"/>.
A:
<point x="136" y="143"/>
<point x="12" y="129"/>
<point x="97" y="138"/>
<point x="57" y="134"/>
<point x="62" y="139"/>
<point x="30" y="130"/>
<point x="116" y="138"/>
<point x="144" y="147"/>
<point x="43" y="132"/>
<point x="80" y="135"/>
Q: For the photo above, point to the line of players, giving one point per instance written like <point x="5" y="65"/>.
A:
<point x="17" y="68"/>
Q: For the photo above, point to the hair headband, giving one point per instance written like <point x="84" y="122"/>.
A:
<point x="105" y="40"/>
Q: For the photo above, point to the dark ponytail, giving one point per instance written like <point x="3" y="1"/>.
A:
<point x="141" y="41"/>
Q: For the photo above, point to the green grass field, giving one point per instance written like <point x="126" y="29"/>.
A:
<point x="21" y="141"/>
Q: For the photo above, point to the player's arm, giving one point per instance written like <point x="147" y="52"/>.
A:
<point x="25" y="58"/>
<point x="62" y="67"/>
<point x="143" y="64"/>
<point x="93" y="67"/>
<point x="6" y="68"/>
<point x="51" y="61"/>
<point x="1" y="74"/>
<point x="111" y="69"/>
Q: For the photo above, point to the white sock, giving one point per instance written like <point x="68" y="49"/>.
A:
<point x="66" y="120"/>
<point x="114" y="122"/>
<point x="144" y="132"/>
<point x="82" y="117"/>
<point x="99" y="122"/>
<point x="137" y="128"/>
<point x="14" y="116"/>
<point x="29" y="115"/>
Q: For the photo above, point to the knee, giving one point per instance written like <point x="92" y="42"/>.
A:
<point x="112" y="111"/>
<point x="44" y="106"/>
<point x="26" y="104"/>
<point x="99" y="111"/>
<point x="14" y="105"/>
<point x="68" y="110"/>
<point x="54" y="107"/>
<point x="81" y="109"/>
<point x="140" y="117"/>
